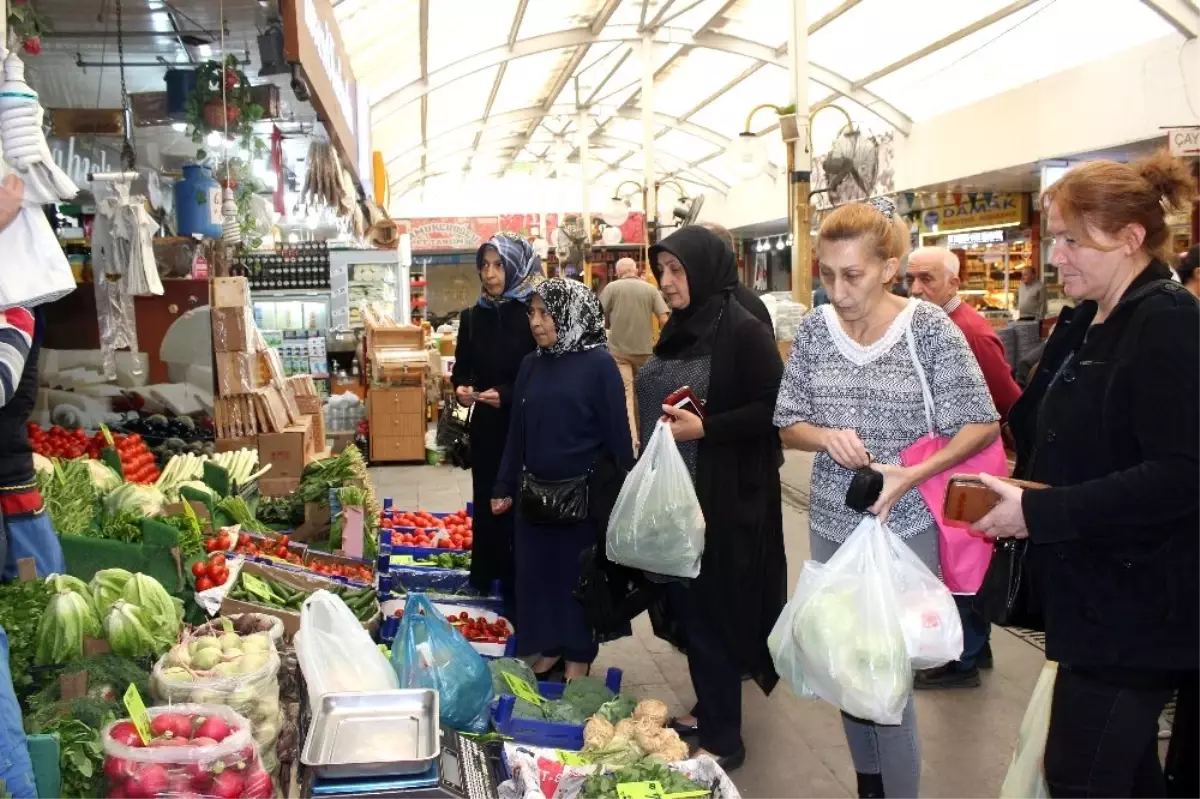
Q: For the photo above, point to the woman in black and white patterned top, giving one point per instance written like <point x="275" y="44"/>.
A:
<point x="852" y="394"/>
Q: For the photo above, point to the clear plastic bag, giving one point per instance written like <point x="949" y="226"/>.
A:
<point x="849" y="642"/>
<point x="781" y="642"/>
<point x="928" y="615"/>
<point x="1026" y="775"/>
<point x="249" y="687"/>
<point x="657" y="524"/>
<point x="226" y="767"/>
<point x="336" y="653"/>
<point x="429" y="653"/>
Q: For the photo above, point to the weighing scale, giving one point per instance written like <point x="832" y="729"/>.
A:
<point x="466" y="769"/>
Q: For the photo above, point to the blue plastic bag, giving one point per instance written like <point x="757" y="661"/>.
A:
<point x="16" y="770"/>
<point x="429" y="653"/>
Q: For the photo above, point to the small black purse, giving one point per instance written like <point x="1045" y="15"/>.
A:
<point x="553" y="501"/>
<point x="1007" y="597"/>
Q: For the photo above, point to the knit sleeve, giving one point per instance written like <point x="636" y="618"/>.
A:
<point x="960" y="394"/>
<point x="794" y="403"/>
<point x="16" y="337"/>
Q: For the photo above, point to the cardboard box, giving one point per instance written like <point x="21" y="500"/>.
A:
<point x="229" y="292"/>
<point x="286" y="451"/>
<point x="339" y="442"/>
<point x="317" y="422"/>
<point x="233" y="329"/>
<point x="308" y="404"/>
<point x="292" y="579"/>
<point x="270" y="486"/>
<point x="310" y="444"/>
<point x="317" y="520"/>
<point x="234" y="444"/>
<point x="237" y="373"/>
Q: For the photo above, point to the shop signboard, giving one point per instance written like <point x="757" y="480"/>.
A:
<point x="452" y="232"/>
<point x="633" y="229"/>
<point x="311" y="38"/>
<point x="1184" y="142"/>
<point x="1000" y="210"/>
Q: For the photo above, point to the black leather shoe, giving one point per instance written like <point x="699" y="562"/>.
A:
<point x="948" y="676"/>
<point x="870" y="786"/>
<point x="684" y="730"/>
<point x="984" y="661"/>
<point x="728" y="763"/>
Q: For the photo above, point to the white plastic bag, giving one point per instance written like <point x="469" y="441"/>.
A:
<point x="930" y="619"/>
<point x="781" y="642"/>
<point x="33" y="268"/>
<point x="1026" y="777"/>
<point x="849" y="642"/>
<point x="657" y="524"/>
<point x="336" y="653"/>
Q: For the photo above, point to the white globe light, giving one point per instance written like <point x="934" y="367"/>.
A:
<point x="214" y="139"/>
<point x="747" y="156"/>
<point x="616" y="212"/>
<point x="779" y="245"/>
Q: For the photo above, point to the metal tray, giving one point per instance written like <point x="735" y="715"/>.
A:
<point x="373" y="734"/>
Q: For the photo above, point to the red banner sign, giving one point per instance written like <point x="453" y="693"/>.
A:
<point x="441" y="234"/>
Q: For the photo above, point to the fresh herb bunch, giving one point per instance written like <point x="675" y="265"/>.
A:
<point x="124" y="525"/>
<point x="239" y="511"/>
<point x="287" y="510"/>
<point x="648" y="769"/>
<point x="191" y="535"/>
<point x="69" y="495"/>
<point x="21" y="609"/>
<point x="80" y="756"/>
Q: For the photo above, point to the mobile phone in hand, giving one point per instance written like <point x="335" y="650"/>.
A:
<point x="685" y="399"/>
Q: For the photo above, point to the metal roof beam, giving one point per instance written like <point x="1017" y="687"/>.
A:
<point x="424" y="44"/>
<point x="514" y="29"/>
<point x="719" y="14"/>
<point x="832" y="15"/>
<point x="1180" y="14"/>
<point x="582" y="37"/>
<point x="525" y="114"/>
<point x="747" y="72"/>
<point x="945" y="41"/>
<point x="677" y="14"/>
<point x="608" y="76"/>
<point x="657" y="21"/>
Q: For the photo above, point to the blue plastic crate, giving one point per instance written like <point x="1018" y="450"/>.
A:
<point x="545" y="733"/>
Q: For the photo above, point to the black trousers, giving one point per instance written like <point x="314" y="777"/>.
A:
<point x="1103" y="739"/>
<point x="715" y="676"/>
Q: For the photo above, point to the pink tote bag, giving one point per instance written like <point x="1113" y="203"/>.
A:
<point x="963" y="552"/>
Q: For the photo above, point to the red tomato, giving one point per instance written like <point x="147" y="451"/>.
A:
<point x="217" y="560"/>
<point x="210" y="545"/>
<point x="219" y="576"/>
<point x="199" y="569"/>
<point x="203" y="584"/>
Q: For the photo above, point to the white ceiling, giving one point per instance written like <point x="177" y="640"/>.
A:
<point x="485" y="86"/>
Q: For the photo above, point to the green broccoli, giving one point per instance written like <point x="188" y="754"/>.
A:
<point x="587" y="694"/>
<point x="618" y="708"/>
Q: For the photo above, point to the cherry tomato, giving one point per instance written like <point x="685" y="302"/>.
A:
<point x="203" y="584"/>
<point x="199" y="569"/>
<point x="217" y="560"/>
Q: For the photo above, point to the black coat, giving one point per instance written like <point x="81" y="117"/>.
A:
<point x="743" y="573"/>
<point x="1115" y="431"/>
<point x="492" y="342"/>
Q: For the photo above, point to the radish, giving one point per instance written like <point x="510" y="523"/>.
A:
<point x="171" y="725"/>
<point x="227" y="785"/>
<point x="203" y="742"/>
<point x="126" y="734"/>
<point x="147" y="783"/>
<point x="165" y="742"/>
<point x="117" y="769"/>
<point x="213" y="727"/>
<point x="258" y="785"/>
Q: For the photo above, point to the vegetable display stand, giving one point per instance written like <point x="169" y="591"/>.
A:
<point x="545" y="733"/>
<point x="157" y="555"/>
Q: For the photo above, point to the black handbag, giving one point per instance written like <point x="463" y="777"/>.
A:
<point x="611" y="594"/>
<point x="1007" y="596"/>
<point x="454" y="434"/>
<point x="553" y="501"/>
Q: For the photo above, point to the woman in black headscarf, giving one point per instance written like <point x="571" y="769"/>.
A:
<point x="569" y="416"/>
<point x="493" y="337"/>
<point x="716" y="347"/>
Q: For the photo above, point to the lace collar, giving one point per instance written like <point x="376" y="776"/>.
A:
<point x="860" y="354"/>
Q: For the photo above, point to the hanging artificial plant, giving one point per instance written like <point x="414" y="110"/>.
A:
<point x="237" y="175"/>
<point x="26" y="25"/>
<point x="235" y="113"/>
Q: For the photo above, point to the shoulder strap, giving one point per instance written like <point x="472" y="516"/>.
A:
<point x="926" y="394"/>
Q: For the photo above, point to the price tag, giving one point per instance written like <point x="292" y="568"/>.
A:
<point x="257" y="587"/>
<point x="137" y="712"/>
<point x="108" y="439"/>
<point x="402" y="560"/>
<point x="653" y="790"/>
<point x="27" y="570"/>
<point x="73" y="686"/>
<point x="522" y="689"/>
<point x="572" y="758"/>
<point x="94" y="646"/>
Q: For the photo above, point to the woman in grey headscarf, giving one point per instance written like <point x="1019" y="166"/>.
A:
<point x="569" y="414"/>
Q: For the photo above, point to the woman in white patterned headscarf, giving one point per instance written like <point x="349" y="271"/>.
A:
<point x="568" y="424"/>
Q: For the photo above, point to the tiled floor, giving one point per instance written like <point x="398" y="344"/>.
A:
<point x="796" y="748"/>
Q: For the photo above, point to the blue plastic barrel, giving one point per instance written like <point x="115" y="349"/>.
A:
<point x="198" y="203"/>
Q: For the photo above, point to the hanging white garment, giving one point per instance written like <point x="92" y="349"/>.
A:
<point x="114" y="304"/>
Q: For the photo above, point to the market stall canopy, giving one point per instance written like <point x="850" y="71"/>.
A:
<point x="490" y="88"/>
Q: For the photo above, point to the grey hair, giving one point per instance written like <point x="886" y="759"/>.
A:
<point x="629" y="265"/>
<point x="949" y="259"/>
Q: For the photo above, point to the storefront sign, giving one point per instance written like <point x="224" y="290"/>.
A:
<point x="311" y="39"/>
<point x="975" y="237"/>
<point x="452" y="233"/>
<point x="1004" y="210"/>
<point x="1184" y="142"/>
